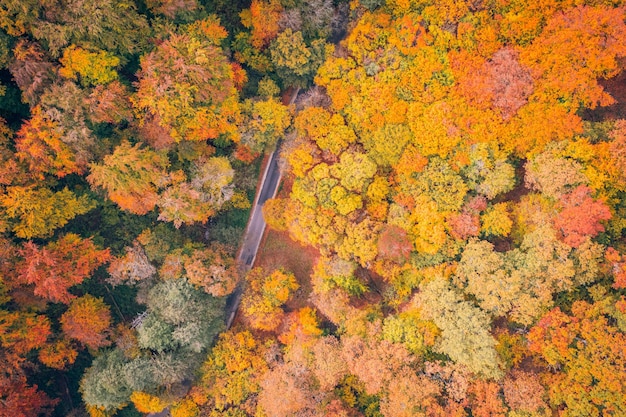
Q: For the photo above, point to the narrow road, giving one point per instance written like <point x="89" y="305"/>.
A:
<point x="256" y="224"/>
<point x="254" y="231"/>
<point x="252" y="236"/>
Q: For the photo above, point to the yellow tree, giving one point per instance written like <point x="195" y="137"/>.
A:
<point x="186" y="86"/>
<point x="132" y="176"/>
<point x="265" y="295"/>
<point x="91" y="68"/>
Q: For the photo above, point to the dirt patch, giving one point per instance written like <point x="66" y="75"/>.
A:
<point x="278" y="250"/>
<point x="616" y="87"/>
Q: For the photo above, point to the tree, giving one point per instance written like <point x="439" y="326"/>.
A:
<point x="555" y="56"/>
<point x="18" y="399"/>
<point x="496" y="221"/>
<point x="445" y="187"/>
<point x="40" y="143"/>
<point x="489" y="173"/>
<point x="287" y="389"/>
<point x="409" y="329"/>
<point x="146" y="403"/>
<point x="31" y="70"/>
<point x="552" y="174"/>
<point x="394" y="244"/>
<point x="172" y="9"/>
<point x="131" y="176"/>
<point x="333" y="272"/>
<point x="591" y="353"/>
<point x="103" y="384"/>
<point x="328" y="131"/>
<point x="409" y="394"/>
<point x="87" y="320"/>
<point x="110" y="25"/>
<point x="502" y="81"/>
<point x="131" y="268"/>
<point x="580" y="216"/>
<point x="375" y="362"/>
<point x="464" y="328"/>
<point x="262" y="19"/>
<point x="89" y="67"/>
<point x="265" y="295"/>
<point x="58" y="266"/>
<point x="265" y="123"/>
<point x="294" y="61"/>
<point x="523" y="392"/>
<point x="209" y="188"/>
<point x="328" y="365"/>
<point x="180" y="318"/>
<point x="180" y="203"/>
<point x="110" y="103"/>
<point x="485" y="399"/>
<point x="213" y="269"/>
<point x="195" y="99"/>
<point x="58" y="355"/>
<point x="37" y="212"/>
<point x="234" y="369"/>
<point x="19" y="334"/>
<point x="16" y="17"/>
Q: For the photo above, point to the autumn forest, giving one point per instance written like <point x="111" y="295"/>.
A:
<point x="448" y="238"/>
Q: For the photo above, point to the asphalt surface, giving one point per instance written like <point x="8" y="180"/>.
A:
<point x="252" y="236"/>
<point x="254" y="231"/>
<point x="256" y="224"/>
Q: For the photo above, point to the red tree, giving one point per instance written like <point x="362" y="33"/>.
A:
<point x="580" y="216"/>
<point x="17" y="399"/>
<point x="59" y="265"/>
<point x="87" y="320"/>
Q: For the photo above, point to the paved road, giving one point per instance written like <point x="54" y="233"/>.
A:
<point x="254" y="231"/>
<point x="252" y="236"/>
<point x="256" y="225"/>
<point x="251" y="241"/>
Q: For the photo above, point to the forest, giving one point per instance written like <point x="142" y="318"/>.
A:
<point x="449" y="238"/>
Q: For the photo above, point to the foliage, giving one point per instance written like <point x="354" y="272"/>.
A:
<point x="464" y="329"/>
<point x="37" y="212"/>
<point x="87" y="320"/>
<point x="59" y="265"/>
<point x="131" y="176"/>
<point x="194" y="99"/>
<point x="265" y="295"/>
<point x="93" y="68"/>
<point x="591" y="353"/>
<point x="179" y="317"/>
<point x="232" y="371"/>
<point x="457" y="165"/>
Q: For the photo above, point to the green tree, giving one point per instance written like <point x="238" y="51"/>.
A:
<point x="37" y="212"/>
<point x="294" y="61"/>
<point x="103" y="384"/>
<point x="180" y="317"/>
<point x="464" y="328"/>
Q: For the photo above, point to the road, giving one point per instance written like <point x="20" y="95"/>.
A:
<point x="251" y="240"/>
<point x="256" y="223"/>
<point x="252" y="236"/>
<point x="254" y="231"/>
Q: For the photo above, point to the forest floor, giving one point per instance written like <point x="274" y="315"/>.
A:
<point x="278" y="250"/>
